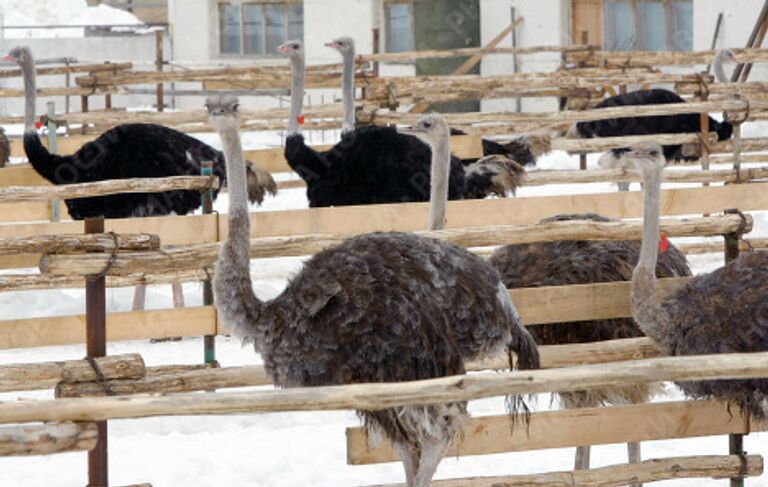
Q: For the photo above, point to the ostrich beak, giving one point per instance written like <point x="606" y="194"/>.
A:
<point x="284" y="49"/>
<point x="8" y="57"/>
<point x="410" y="130"/>
<point x="334" y="44"/>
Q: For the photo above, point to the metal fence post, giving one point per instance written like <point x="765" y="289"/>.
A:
<point x="209" y="341"/>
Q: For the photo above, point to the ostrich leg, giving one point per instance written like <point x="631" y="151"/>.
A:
<point x="410" y="459"/>
<point x="633" y="451"/>
<point x="432" y="451"/>
<point x="582" y="457"/>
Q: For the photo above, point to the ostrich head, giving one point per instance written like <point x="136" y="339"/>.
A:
<point x="223" y="112"/>
<point x="432" y="129"/>
<point x="20" y="55"/>
<point x="292" y="49"/>
<point x="342" y="44"/>
<point x="647" y="157"/>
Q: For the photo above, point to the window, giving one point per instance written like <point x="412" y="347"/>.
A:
<point x="399" y="26"/>
<point x="648" y="25"/>
<point x="257" y="28"/>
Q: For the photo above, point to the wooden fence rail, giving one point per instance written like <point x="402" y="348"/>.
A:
<point x="655" y="470"/>
<point x="47" y="439"/>
<point x="187" y="258"/>
<point x="107" y="187"/>
<point x="381" y="396"/>
<point x="95" y="242"/>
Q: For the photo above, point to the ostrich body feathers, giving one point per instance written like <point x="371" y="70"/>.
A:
<point x="584" y="262"/>
<point x="5" y="148"/>
<point x="724" y="311"/>
<point x="648" y="125"/>
<point x="379" y="165"/>
<point x="380" y="307"/>
<point x="135" y="151"/>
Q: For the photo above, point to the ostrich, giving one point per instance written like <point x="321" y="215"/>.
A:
<point x="585" y="262"/>
<point x="5" y="148"/>
<point x="723" y="311"/>
<point x="380" y="307"/>
<point x="377" y="164"/>
<point x="648" y="125"/>
<point x="123" y="152"/>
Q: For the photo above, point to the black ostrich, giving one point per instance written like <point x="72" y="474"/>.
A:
<point x="123" y="152"/>
<point x="5" y="148"/>
<point x="377" y="164"/>
<point x="380" y="307"/>
<point x="649" y="125"/>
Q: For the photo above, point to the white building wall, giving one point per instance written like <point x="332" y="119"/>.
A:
<point x="139" y="49"/>
<point x="739" y="17"/>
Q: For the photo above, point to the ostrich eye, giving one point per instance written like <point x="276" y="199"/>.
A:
<point x="654" y="153"/>
<point x="235" y="107"/>
<point x="427" y="124"/>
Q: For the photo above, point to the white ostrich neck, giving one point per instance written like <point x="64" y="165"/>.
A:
<point x="651" y="214"/>
<point x="236" y="177"/>
<point x="720" y="76"/>
<point x="28" y="73"/>
<point x="297" y="93"/>
<point x="348" y="90"/>
<point x="438" y="197"/>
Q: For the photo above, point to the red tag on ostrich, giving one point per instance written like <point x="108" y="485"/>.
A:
<point x="300" y="119"/>
<point x="38" y="124"/>
<point x="663" y="243"/>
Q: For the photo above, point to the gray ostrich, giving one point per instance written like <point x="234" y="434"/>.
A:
<point x="585" y="262"/>
<point x="723" y="311"/>
<point x="380" y="307"/>
<point x="720" y="57"/>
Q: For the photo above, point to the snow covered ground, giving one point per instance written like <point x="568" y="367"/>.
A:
<point x="296" y="449"/>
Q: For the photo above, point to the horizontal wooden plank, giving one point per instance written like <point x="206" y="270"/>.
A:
<point x="536" y="306"/>
<point x="172" y="230"/>
<point x="28" y="211"/>
<point x="588" y="426"/>
<point x="64" y="145"/>
<point x="600" y="301"/>
<point x="133" y="325"/>
<point x="20" y="174"/>
<point x="654" y="470"/>
<point x="350" y="220"/>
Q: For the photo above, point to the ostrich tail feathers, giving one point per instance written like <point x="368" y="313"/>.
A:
<point x="260" y="183"/>
<point x="495" y="174"/>
<point x="538" y="144"/>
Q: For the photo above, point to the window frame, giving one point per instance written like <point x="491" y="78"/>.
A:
<point x="388" y="25"/>
<point x="669" y="23"/>
<point x="285" y="4"/>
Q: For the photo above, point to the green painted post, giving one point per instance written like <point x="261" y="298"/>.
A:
<point x="209" y="341"/>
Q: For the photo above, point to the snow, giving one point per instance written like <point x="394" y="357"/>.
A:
<point x="288" y="449"/>
<point x="59" y="12"/>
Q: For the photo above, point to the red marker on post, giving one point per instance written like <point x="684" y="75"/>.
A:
<point x="300" y="119"/>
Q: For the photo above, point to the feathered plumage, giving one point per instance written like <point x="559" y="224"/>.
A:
<point x="126" y="151"/>
<point x="583" y="262"/>
<point x="723" y="311"/>
<point x="660" y="124"/>
<point x="524" y="150"/>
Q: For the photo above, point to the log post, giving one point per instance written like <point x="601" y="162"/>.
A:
<point x="735" y="441"/>
<point x="96" y="343"/>
<point x="159" y="66"/>
<point x="84" y="109"/>
<point x="209" y="341"/>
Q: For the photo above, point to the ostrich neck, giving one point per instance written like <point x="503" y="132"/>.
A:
<point x="28" y="73"/>
<point x="649" y="315"/>
<point x="720" y="76"/>
<point x="651" y="213"/>
<point x="238" y="194"/>
<point x="348" y="90"/>
<point x="297" y="93"/>
<point x="438" y="197"/>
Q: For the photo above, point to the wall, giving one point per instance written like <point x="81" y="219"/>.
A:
<point x="133" y="48"/>
<point x="739" y="17"/>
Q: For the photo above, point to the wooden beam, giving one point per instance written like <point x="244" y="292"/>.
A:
<point x="95" y="242"/>
<point x="194" y="378"/>
<point x="587" y="426"/>
<point x="185" y="258"/>
<point x="133" y="325"/>
<point x="107" y="187"/>
<point x="380" y="396"/>
<point x="44" y="375"/>
<point x="47" y="439"/>
<point x="657" y="469"/>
